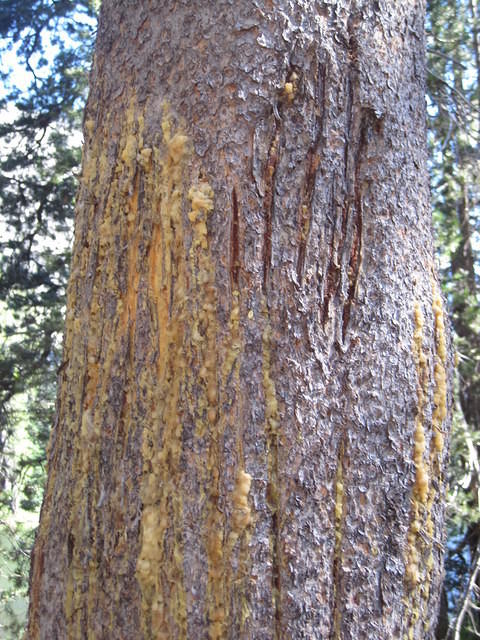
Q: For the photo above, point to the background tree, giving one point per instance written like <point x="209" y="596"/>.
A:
<point x="454" y="64"/>
<point x="250" y="436"/>
<point x="41" y="105"/>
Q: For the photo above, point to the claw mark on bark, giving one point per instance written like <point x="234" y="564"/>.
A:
<point x="356" y="246"/>
<point x="312" y="162"/>
<point x="348" y="120"/>
<point x="305" y="213"/>
<point x="332" y="275"/>
<point x="268" y="205"/>
<point x="354" y="263"/>
<point x="346" y="244"/>
<point x="234" y="242"/>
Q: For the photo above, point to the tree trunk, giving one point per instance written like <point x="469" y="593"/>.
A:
<point x="249" y="439"/>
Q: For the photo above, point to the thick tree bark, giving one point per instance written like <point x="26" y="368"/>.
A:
<point x="250" y="436"/>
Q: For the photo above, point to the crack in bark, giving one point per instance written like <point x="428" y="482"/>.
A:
<point x="268" y="204"/>
<point x="334" y="270"/>
<point x="331" y="277"/>
<point x="350" y="235"/>
<point x="354" y="264"/>
<point x="273" y="489"/>
<point x="274" y="504"/>
<point x="348" y="122"/>
<point x="339" y="517"/>
<point x="276" y="578"/>
<point x="234" y="243"/>
<point x="308" y="186"/>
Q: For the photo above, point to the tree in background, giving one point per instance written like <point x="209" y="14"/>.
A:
<point x="251" y="432"/>
<point x="454" y="65"/>
<point x="40" y="153"/>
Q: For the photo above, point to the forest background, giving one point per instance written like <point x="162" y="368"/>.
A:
<point x="45" y="53"/>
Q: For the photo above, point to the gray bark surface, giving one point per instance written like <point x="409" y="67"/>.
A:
<point x="250" y="432"/>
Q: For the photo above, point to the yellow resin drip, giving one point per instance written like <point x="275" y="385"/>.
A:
<point x="90" y="400"/>
<point x="414" y="550"/>
<point x="271" y="403"/>
<point x="204" y="345"/>
<point x="438" y="417"/>
<point x="242" y="515"/>
<point x="421" y="484"/>
<point x="419" y="557"/>
<point x="169" y="278"/>
<point x="291" y="87"/>
<point x="160" y="576"/>
<point x="440" y="376"/>
<point x="212" y="382"/>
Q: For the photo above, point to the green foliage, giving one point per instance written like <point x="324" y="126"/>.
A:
<point x="454" y="136"/>
<point x="41" y="108"/>
<point x="15" y="545"/>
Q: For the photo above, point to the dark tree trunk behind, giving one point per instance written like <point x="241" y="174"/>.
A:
<point x="250" y="431"/>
